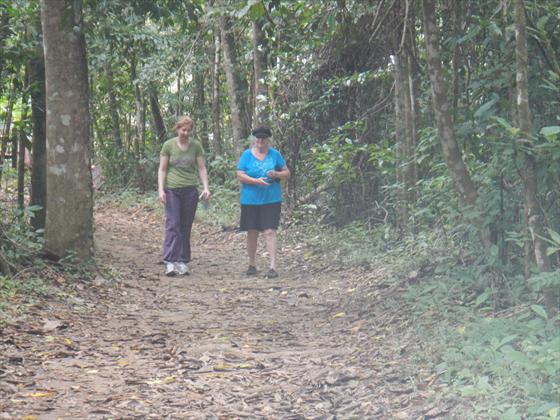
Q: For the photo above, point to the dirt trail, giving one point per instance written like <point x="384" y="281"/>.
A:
<point x="319" y="342"/>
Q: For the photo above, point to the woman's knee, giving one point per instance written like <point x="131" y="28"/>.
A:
<point x="269" y="233"/>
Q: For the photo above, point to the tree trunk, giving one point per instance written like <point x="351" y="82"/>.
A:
<point x="261" y="111"/>
<point x="457" y="17"/>
<point x="412" y="137"/>
<point x="178" y="111"/>
<point x="405" y="124"/>
<point x="532" y="210"/>
<point x="200" y="107"/>
<point x="36" y="74"/>
<point x="113" y="107"/>
<point x="159" y="125"/>
<point x="15" y="149"/>
<point x="69" y="221"/>
<point x="237" y="86"/>
<point x="400" y="142"/>
<point x="22" y="143"/>
<point x="4" y="33"/>
<point x="451" y="152"/>
<point x="139" y="125"/>
<point x="216" y="109"/>
<point x="6" y="132"/>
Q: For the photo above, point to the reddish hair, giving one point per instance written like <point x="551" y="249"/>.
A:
<point x="182" y="121"/>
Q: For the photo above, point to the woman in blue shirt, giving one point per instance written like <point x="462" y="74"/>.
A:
<point x="260" y="170"/>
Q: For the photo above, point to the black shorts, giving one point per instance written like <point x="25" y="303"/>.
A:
<point x="260" y="217"/>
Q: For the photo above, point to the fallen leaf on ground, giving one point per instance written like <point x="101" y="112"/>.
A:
<point x="41" y="394"/>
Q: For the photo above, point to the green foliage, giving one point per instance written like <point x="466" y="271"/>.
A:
<point x="19" y="244"/>
<point x="554" y="241"/>
<point x="13" y="288"/>
<point x="510" y="366"/>
<point x="223" y="209"/>
<point x="121" y="169"/>
<point x="222" y="171"/>
<point x="129" y="198"/>
<point x="542" y="281"/>
<point x="351" y="244"/>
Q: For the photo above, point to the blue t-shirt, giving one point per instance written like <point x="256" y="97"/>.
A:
<point x="259" y="194"/>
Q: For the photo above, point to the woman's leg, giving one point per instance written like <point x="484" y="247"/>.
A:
<point x="172" y="243"/>
<point x="189" y="202"/>
<point x="271" y="246"/>
<point x="252" y="239"/>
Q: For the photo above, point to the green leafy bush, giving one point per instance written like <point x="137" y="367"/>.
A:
<point x="509" y="366"/>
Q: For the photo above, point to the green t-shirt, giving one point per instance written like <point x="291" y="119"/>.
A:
<point x="182" y="167"/>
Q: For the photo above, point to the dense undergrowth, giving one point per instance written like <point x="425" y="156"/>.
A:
<point x="485" y="331"/>
<point x="27" y="275"/>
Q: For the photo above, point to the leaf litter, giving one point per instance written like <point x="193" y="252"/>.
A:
<point x="322" y="341"/>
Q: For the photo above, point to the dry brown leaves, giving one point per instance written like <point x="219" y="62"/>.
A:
<point x="322" y="341"/>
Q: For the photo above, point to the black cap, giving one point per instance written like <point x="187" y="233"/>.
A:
<point x="262" y="132"/>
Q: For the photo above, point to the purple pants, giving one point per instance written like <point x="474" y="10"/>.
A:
<point x="180" y="208"/>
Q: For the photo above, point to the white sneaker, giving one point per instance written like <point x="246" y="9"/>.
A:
<point x="182" y="268"/>
<point x="170" y="269"/>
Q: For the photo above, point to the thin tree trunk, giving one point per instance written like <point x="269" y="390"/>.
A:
<point x="178" y="111"/>
<point x="404" y="113"/>
<point x="69" y="221"/>
<point x="139" y="134"/>
<point x="457" y="18"/>
<point x="113" y="107"/>
<point x="400" y="133"/>
<point x="140" y="124"/>
<point x="200" y="107"/>
<point x="261" y="103"/>
<point x="413" y="133"/>
<point x="22" y="146"/>
<point x="143" y="136"/>
<point x="532" y="210"/>
<point x="21" y="166"/>
<point x="4" y="33"/>
<point x="451" y="152"/>
<point x="159" y="125"/>
<point x="15" y="149"/>
<point x="237" y="87"/>
<point x="36" y="74"/>
<point x="216" y="109"/>
<point x="39" y="140"/>
<point x="6" y="133"/>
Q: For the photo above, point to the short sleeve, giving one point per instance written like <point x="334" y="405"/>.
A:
<point x="165" y="150"/>
<point x="199" y="150"/>
<point x="243" y="162"/>
<point x="280" y="162"/>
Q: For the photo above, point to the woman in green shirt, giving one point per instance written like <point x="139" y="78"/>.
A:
<point x="180" y="159"/>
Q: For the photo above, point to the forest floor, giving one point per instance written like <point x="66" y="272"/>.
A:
<point x="321" y="341"/>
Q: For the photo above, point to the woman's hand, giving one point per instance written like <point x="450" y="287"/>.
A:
<point x="205" y="195"/>
<point x="246" y="179"/>
<point x="280" y="175"/>
<point x="261" y="181"/>
<point x="162" y="197"/>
